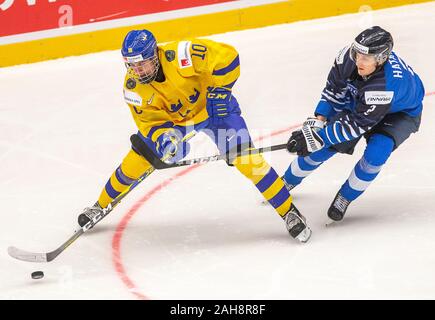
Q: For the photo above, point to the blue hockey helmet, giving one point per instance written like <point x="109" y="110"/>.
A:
<point x="373" y="41"/>
<point x="139" y="51"/>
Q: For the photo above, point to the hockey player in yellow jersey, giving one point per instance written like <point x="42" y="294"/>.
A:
<point x="182" y="87"/>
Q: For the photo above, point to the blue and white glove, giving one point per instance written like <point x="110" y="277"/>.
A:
<point x="314" y="123"/>
<point x="170" y="143"/>
<point x="305" y="141"/>
<point x="218" y="103"/>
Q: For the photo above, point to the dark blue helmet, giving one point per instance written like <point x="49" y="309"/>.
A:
<point x="373" y="41"/>
<point x="139" y="51"/>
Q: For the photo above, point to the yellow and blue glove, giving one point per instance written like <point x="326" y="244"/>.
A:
<point x="218" y="103"/>
<point x="171" y="144"/>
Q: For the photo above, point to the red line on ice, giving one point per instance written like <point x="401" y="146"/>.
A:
<point x="117" y="237"/>
<point x="116" y="240"/>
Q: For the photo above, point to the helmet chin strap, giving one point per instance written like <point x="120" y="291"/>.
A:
<point x="160" y="77"/>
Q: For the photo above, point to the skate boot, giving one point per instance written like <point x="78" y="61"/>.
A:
<point x="338" y="207"/>
<point x="296" y="224"/>
<point x="88" y="214"/>
<point x="288" y="185"/>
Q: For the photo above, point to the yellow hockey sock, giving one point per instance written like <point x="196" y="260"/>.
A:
<point x="267" y="181"/>
<point x="131" y="168"/>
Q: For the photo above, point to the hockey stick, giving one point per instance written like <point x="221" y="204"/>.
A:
<point x="50" y="256"/>
<point x="159" y="164"/>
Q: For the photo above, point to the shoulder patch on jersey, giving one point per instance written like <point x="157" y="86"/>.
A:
<point x="133" y="98"/>
<point x="184" y="58"/>
<point x="340" y="56"/>
<point x="131" y="83"/>
<point x="170" y="55"/>
<point x="378" y="97"/>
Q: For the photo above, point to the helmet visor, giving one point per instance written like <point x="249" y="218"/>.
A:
<point x="145" y="70"/>
<point x="362" y="52"/>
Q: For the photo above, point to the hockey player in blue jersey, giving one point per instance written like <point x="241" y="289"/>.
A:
<point x="370" y="92"/>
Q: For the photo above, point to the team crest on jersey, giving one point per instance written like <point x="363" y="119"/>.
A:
<point x="170" y="55"/>
<point x="176" y="107"/>
<point x="194" y="97"/>
<point x="131" y="83"/>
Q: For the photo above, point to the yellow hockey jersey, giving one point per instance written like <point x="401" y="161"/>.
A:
<point x="190" y="68"/>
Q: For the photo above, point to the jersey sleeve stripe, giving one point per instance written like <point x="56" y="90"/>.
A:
<point x="168" y="124"/>
<point x="230" y="85"/>
<point x="233" y="65"/>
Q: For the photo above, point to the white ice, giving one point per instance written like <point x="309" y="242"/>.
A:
<point x="65" y="128"/>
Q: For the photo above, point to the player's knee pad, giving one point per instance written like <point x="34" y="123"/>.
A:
<point x="379" y="149"/>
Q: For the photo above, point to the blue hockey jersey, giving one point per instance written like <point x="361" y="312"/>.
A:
<point x="356" y="105"/>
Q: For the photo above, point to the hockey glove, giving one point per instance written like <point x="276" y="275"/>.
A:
<point x="307" y="140"/>
<point x="218" y="103"/>
<point x="314" y="123"/>
<point x="170" y="144"/>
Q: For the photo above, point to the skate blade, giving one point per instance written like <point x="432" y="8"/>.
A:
<point x="304" y="236"/>
<point x="330" y="222"/>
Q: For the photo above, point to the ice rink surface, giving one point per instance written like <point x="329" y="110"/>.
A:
<point x="203" y="234"/>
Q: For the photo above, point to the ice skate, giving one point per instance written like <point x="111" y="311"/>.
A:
<point x="338" y="207"/>
<point x="296" y="225"/>
<point x="88" y="214"/>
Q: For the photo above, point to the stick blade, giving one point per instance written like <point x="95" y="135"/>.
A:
<point x="27" y="256"/>
<point x="147" y="153"/>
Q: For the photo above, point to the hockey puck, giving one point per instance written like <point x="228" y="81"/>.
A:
<point x="37" y="275"/>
